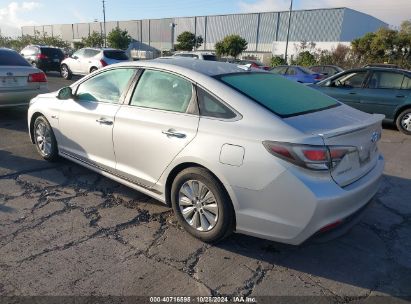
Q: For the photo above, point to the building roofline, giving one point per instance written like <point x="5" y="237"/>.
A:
<point x="202" y="16"/>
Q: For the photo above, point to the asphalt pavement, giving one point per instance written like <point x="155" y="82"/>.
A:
<point x="67" y="231"/>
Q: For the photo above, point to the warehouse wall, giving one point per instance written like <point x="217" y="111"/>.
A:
<point x="263" y="31"/>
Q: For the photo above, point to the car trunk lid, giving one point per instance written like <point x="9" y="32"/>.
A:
<point x="14" y="78"/>
<point x="345" y="127"/>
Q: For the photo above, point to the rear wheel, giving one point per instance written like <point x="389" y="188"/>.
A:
<point x="65" y="72"/>
<point x="44" y="139"/>
<point x="403" y="121"/>
<point x="201" y="205"/>
<point x="93" y="69"/>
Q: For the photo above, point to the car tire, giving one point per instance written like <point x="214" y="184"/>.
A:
<point x="65" y="72"/>
<point x="403" y="121"/>
<point x="44" y="139"/>
<point x="93" y="69"/>
<point x="209" y="214"/>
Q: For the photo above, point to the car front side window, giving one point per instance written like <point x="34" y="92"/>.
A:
<point x="163" y="91"/>
<point x="351" y="80"/>
<point x="106" y="87"/>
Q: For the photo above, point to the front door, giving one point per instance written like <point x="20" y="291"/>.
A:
<point x="86" y="122"/>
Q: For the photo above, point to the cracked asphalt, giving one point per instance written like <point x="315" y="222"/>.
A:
<point x="66" y="231"/>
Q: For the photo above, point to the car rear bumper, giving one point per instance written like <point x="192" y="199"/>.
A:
<point x="49" y="66"/>
<point x="291" y="210"/>
<point x="19" y="98"/>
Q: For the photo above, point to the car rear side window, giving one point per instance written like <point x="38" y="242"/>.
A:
<point x="386" y="80"/>
<point x="281" y="96"/>
<point x="210" y="57"/>
<point x="116" y="55"/>
<point x="106" y="87"/>
<point x="406" y="84"/>
<point x="212" y="107"/>
<point x="11" y="58"/>
<point x="163" y="91"/>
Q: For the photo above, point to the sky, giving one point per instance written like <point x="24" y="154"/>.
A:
<point x="17" y="13"/>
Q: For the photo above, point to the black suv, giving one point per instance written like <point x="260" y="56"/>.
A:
<point x="47" y="58"/>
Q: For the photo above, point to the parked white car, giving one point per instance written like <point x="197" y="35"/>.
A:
<point x="231" y="149"/>
<point x="88" y="60"/>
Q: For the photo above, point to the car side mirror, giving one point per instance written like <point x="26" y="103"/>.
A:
<point x="74" y="57"/>
<point x="65" y="93"/>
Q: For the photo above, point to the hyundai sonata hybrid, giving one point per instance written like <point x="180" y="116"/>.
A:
<point x="230" y="148"/>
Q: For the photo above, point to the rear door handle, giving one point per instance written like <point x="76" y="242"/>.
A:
<point x="400" y="96"/>
<point x="173" y="133"/>
<point x="353" y="93"/>
<point x="104" y="121"/>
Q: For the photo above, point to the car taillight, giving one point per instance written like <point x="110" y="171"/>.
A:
<point x="103" y="63"/>
<point x="41" y="56"/>
<point x="37" y="77"/>
<point x="309" y="156"/>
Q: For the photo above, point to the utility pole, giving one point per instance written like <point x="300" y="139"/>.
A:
<point x="104" y="23"/>
<point x="288" y="32"/>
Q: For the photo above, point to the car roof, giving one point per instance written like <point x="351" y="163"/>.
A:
<point x="188" y="65"/>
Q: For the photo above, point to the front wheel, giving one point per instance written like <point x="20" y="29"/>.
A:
<point x="93" y="69"/>
<point x="403" y="121"/>
<point x="65" y="72"/>
<point x="44" y="139"/>
<point x="201" y="205"/>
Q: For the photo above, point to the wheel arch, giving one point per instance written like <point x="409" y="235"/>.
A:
<point x="400" y="110"/>
<point x="180" y="167"/>
<point x="32" y="120"/>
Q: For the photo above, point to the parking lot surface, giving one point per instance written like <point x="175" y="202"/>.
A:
<point x="67" y="231"/>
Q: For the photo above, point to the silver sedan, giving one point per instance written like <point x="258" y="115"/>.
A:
<point x="228" y="147"/>
<point x="19" y="81"/>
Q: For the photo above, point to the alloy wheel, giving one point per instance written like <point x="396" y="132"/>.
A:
<point x="406" y="122"/>
<point x="198" y="205"/>
<point x="43" y="138"/>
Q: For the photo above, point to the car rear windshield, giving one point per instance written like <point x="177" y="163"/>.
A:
<point x="52" y="52"/>
<point x="10" y="58"/>
<point x="306" y="71"/>
<point x="279" y="95"/>
<point x="210" y="57"/>
<point x="117" y="55"/>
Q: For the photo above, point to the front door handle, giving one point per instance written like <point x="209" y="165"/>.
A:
<point x="353" y="93"/>
<point x="173" y="133"/>
<point x="103" y="121"/>
<point x="400" y="96"/>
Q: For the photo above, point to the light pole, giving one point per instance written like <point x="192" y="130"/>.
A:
<point x="288" y="31"/>
<point x="104" y="23"/>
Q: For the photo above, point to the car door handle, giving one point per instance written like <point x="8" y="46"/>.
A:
<point x="353" y="93"/>
<point x="173" y="133"/>
<point x="103" y="121"/>
<point x="400" y="96"/>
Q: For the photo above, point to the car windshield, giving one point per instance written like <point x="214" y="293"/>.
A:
<point x="210" y="57"/>
<point x="117" y="55"/>
<point x="281" y="96"/>
<point x="11" y="58"/>
<point x="52" y="52"/>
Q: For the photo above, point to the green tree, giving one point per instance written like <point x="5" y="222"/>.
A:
<point x="119" y="39"/>
<point x="305" y="58"/>
<point x="95" y="39"/>
<point x="406" y="27"/>
<point x="187" y="41"/>
<point x="232" y="45"/>
<point x="277" y="60"/>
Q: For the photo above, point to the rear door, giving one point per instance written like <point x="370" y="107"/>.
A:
<point x="157" y="124"/>
<point x="383" y="93"/>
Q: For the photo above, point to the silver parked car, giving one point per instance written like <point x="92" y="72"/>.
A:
<point x="88" y="60"/>
<point x="19" y="81"/>
<point x="230" y="148"/>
